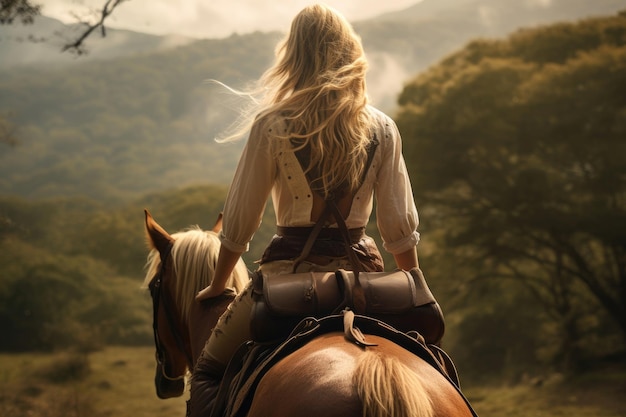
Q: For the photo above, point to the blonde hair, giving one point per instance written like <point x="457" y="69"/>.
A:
<point x="317" y="84"/>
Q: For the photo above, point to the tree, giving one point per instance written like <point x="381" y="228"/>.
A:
<point x="25" y="11"/>
<point x="517" y="149"/>
<point x="22" y="10"/>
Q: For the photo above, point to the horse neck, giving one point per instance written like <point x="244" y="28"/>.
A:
<point x="202" y="319"/>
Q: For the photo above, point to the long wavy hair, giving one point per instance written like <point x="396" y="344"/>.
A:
<point x="317" y="84"/>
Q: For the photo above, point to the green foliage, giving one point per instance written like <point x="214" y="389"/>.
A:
<point x="63" y="274"/>
<point x="516" y="148"/>
<point x="53" y="292"/>
<point x="50" y="300"/>
<point x="501" y="335"/>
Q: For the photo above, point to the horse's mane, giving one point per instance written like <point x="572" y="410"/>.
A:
<point x="194" y="256"/>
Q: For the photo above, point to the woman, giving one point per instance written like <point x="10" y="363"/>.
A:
<point x="314" y="126"/>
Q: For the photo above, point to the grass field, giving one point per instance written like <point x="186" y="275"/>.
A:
<point x="118" y="381"/>
<point x="601" y="395"/>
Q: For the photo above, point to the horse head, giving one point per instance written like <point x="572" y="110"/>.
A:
<point x="178" y="266"/>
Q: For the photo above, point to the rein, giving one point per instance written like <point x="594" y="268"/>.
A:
<point x="155" y="291"/>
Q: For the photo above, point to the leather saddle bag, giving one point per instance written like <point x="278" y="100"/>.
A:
<point x="400" y="298"/>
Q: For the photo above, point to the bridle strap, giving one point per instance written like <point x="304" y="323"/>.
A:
<point x="157" y="296"/>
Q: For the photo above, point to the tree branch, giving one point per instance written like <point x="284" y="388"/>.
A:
<point x="26" y="11"/>
<point x="78" y="45"/>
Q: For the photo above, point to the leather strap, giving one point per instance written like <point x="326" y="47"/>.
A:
<point x="306" y="250"/>
<point x="352" y="333"/>
<point x="328" y="233"/>
<point x="331" y="207"/>
<point x="358" y="294"/>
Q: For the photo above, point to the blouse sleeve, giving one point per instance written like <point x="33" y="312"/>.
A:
<point x="249" y="191"/>
<point x="396" y="214"/>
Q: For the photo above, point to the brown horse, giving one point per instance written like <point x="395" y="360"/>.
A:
<point x="179" y="266"/>
<point x="329" y="376"/>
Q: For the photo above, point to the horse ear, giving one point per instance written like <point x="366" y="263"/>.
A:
<point x="218" y="223"/>
<point x="158" y="238"/>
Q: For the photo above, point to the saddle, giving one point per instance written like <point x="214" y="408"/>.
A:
<point x="253" y="360"/>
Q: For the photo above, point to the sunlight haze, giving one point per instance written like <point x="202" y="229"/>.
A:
<point x="214" y="18"/>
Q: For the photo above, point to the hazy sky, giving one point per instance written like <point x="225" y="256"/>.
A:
<point x="212" y="18"/>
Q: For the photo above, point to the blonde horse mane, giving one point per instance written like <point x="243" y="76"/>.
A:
<point x="194" y="256"/>
<point x="387" y="387"/>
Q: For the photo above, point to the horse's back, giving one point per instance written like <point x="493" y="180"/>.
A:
<point x="313" y="381"/>
<point x="329" y="376"/>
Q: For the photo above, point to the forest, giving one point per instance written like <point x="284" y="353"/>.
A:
<point x="516" y="150"/>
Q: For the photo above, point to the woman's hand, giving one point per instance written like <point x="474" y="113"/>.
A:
<point x="226" y="261"/>
<point x="211" y="291"/>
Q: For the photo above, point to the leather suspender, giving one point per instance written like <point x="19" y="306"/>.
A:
<point x="331" y="208"/>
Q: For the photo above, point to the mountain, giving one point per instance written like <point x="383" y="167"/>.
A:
<point x="115" y="129"/>
<point x="443" y="26"/>
<point x="137" y="116"/>
<point x="40" y="43"/>
<point x="507" y="15"/>
<point x="403" y="43"/>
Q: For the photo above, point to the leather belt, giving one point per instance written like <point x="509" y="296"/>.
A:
<point x="326" y="233"/>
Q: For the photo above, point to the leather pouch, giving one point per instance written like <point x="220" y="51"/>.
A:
<point x="402" y="299"/>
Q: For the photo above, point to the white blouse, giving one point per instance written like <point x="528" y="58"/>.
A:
<point x="269" y="165"/>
